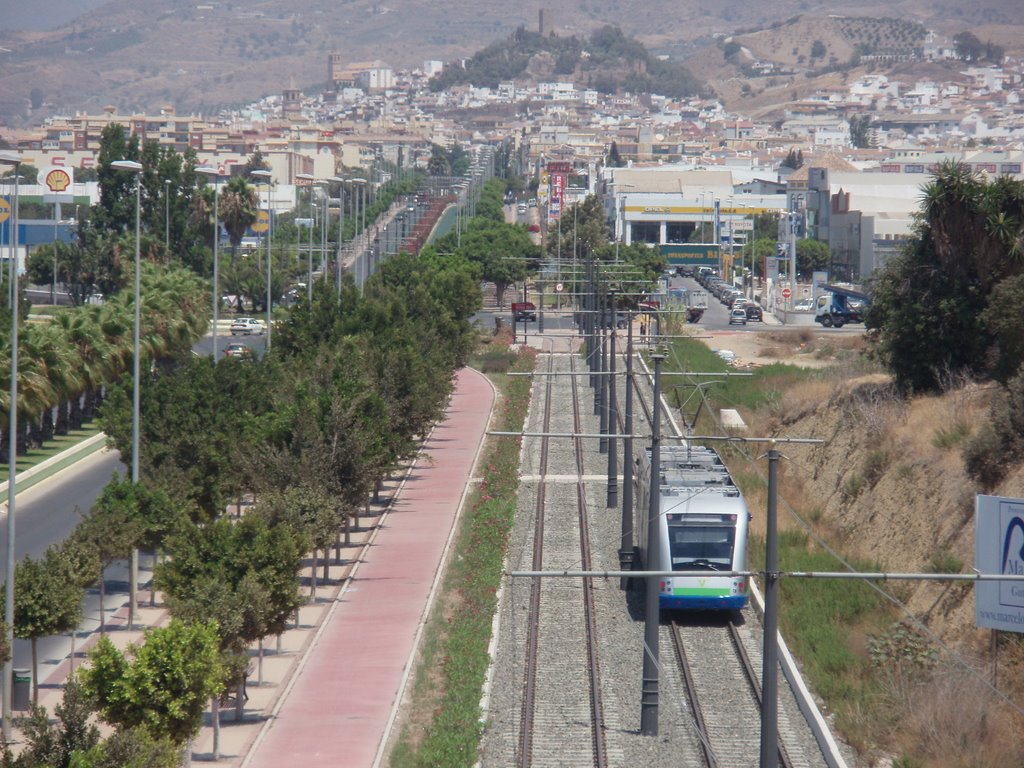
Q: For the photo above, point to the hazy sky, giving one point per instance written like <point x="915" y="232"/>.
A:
<point x="42" y="14"/>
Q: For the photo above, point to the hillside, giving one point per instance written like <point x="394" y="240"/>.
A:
<point x="199" y="57"/>
<point x="887" y="489"/>
<point x="608" y="61"/>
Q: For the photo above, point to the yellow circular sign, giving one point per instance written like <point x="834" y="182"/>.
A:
<point x="58" y="180"/>
<point x="5" y="210"/>
<point x="262" y="223"/>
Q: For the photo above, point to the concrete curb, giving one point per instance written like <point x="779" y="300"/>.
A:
<point x="28" y="478"/>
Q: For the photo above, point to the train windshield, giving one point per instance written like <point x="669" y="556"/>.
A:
<point x="701" y="547"/>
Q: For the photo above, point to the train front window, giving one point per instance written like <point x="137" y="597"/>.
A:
<point x="701" y="547"/>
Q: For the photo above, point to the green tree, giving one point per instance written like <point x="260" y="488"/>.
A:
<point x="860" y="131"/>
<point x="614" y="159"/>
<point x="110" y="531"/>
<point x="811" y="256"/>
<point x="130" y="748"/>
<point x="794" y="159"/>
<point x="1004" y="318"/>
<point x="47" y="601"/>
<point x="503" y="252"/>
<point x="928" y="303"/>
<point x="162" y="685"/>
<point x="238" y="204"/>
<point x="116" y="209"/>
<point x="55" y="745"/>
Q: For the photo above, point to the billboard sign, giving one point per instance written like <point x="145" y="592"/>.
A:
<point x="999" y="549"/>
<point x="558" y="173"/>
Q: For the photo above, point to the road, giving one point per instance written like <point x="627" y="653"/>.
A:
<point x="258" y="344"/>
<point x="46" y="514"/>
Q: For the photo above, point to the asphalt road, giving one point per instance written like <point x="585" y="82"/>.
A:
<point x="46" y="514"/>
<point x="258" y="344"/>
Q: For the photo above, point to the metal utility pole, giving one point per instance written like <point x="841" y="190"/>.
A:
<point x="8" y="158"/>
<point x="769" y="670"/>
<point x="626" y="540"/>
<point x="613" y="413"/>
<point x="649" y="686"/>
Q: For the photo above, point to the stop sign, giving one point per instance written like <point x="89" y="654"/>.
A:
<point x="786" y="293"/>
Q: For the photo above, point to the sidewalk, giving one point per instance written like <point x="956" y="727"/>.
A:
<point x="342" y="703"/>
<point x="358" y="634"/>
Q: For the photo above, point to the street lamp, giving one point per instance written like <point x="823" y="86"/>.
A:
<point x="13" y="159"/>
<point x="136" y="168"/>
<point x="214" y="173"/>
<point x="311" y="181"/>
<point x="266" y="176"/>
<point x="341" y="229"/>
<point x="167" y="214"/>
<point x="361" y="205"/>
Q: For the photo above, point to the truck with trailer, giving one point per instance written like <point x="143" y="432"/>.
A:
<point x="840" y="305"/>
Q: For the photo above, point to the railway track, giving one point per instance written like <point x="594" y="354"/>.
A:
<point x="721" y="683"/>
<point x="557" y="666"/>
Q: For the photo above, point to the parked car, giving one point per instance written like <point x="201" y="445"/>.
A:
<point x="738" y="317"/>
<point x="246" y="326"/>
<point x="754" y="313"/>
<point x="524" y="311"/>
<point x="804" y="305"/>
<point x="238" y="350"/>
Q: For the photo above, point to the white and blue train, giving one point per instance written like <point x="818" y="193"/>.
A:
<point x="702" y="526"/>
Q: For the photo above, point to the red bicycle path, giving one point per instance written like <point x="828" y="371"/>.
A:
<point x="341" y="702"/>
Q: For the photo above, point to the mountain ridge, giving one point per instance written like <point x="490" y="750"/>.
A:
<point x="198" y="58"/>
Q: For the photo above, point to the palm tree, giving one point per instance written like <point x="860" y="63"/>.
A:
<point x="238" y="204"/>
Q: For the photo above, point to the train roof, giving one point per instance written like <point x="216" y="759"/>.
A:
<point x="703" y="501"/>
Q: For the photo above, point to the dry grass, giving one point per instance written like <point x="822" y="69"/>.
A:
<point x="952" y="720"/>
<point x="802" y="400"/>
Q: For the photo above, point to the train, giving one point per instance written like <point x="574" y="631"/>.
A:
<point x="702" y="526"/>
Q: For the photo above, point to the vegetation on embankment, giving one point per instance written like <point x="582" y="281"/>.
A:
<point x="888" y="489"/>
<point x="443" y="727"/>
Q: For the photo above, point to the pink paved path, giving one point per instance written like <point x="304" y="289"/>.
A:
<point x="339" y="706"/>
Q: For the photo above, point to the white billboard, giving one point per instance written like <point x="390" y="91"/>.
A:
<point x="999" y="549"/>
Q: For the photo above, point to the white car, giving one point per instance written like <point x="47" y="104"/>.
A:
<point x="804" y="305"/>
<point x="247" y="326"/>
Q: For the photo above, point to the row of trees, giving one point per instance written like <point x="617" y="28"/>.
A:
<point x="65" y="366"/>
<point x="177" y="214"/>
<point x="309" y="430"/>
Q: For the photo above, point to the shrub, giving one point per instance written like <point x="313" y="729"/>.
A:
<point x="497" y="360"/>
<point x="852" y="486"/>
<point x="985" y="457"/>
<point x="875" y="464"/>
<point x="951" y="435"/>
<point x="902" y="645"/>
<point x="943" y="561"/>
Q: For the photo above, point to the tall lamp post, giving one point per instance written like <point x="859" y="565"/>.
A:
<point x="311" y="182"/>
<point x="341" y="229"/>
<point x="167" y="214"/>
<point x="136" y="168"/>
<point x="214" y="173"/>
<point x="361" y="206"/>
<point x="14" y="160"/>
<point x="266" y="176"/>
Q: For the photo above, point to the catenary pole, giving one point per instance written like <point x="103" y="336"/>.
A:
<point x="769" y="670"/>
<point x="649" y="685"/>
